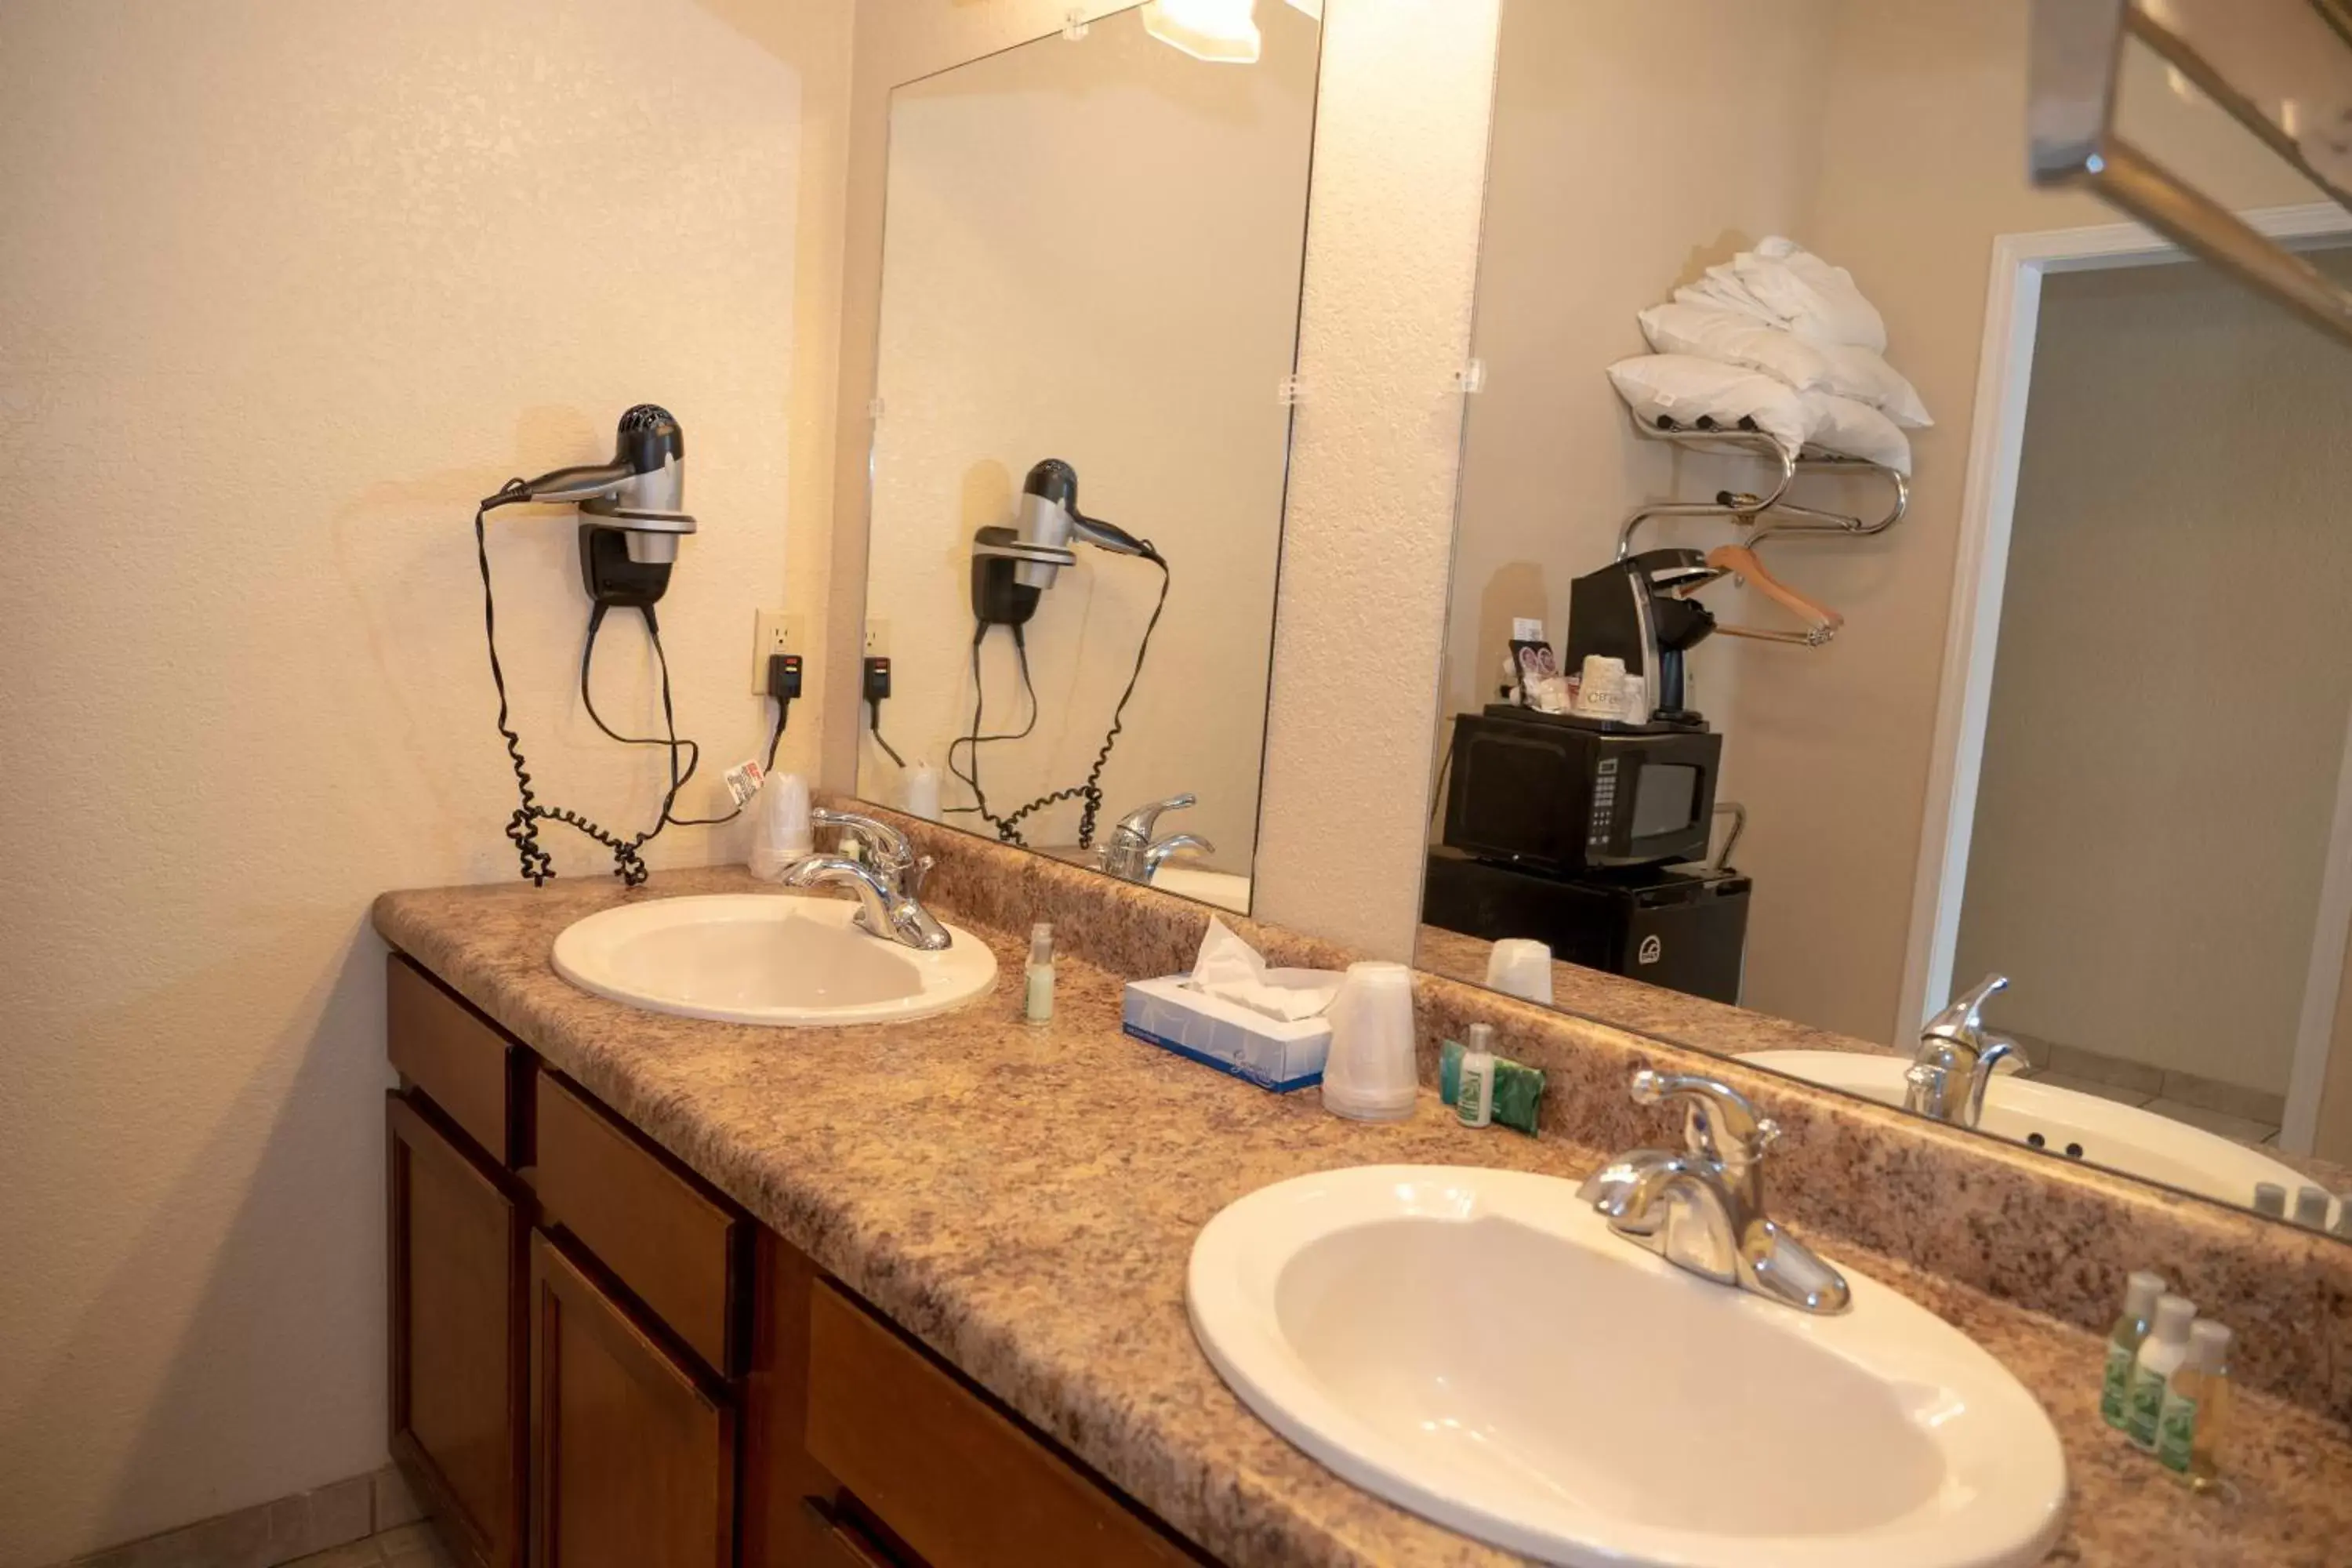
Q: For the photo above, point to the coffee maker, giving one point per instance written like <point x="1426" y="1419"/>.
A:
<point x="1630" y="610"/>
<point x="1586" y="834"/>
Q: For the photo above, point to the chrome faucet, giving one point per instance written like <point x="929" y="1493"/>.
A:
<point x="1702" y="1208"/>
<point x="1132" y="855"/>
<point x="888" y="879"/>
<point x="1948" y="1079"/>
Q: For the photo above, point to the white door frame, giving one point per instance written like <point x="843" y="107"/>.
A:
<point x="1996" y="442"/>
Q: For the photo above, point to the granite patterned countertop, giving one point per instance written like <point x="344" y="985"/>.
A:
<point x="1025" y="1202"/>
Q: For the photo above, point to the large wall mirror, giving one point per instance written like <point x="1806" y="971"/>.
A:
<point x="1090" y="290"/>
<point x="1874" y="576"/>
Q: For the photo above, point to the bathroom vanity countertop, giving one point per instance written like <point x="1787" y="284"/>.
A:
<point x="1024" y="1201"/>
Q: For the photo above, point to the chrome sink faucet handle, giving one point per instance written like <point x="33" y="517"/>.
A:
<point x="1956" y="1056"/>
<point x="885" y="909"/>
<point x="1132" y="854"/>
<point x="885" y="848"/>
<point x="1702" y="1209"/>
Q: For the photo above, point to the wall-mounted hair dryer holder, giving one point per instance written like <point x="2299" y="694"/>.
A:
<point x="625" y="556"/>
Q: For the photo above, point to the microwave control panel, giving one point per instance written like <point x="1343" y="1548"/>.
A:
<point x="1604" y="803"/>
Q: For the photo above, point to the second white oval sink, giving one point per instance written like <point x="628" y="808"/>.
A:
<point x="765" y="958"/>
<point x="2080" y="1126"/>
<point x="1476" y="1346"/>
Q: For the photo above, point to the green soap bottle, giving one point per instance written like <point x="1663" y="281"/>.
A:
<point x="2141" y="1292"/>
<point x="2160" y="1355"/>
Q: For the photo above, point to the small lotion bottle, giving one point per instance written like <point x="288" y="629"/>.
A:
<point x="2160" y="1355"/>
<point x="2124" y="1340"/>
<point x="1473" y="1099"/>
<point x="2196" y="1416"/>
<point x="1037" y="992"/>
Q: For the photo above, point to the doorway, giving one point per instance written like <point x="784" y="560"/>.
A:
<point x="1983" y="839"/>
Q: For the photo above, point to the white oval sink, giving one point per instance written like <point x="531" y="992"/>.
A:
<point x="1476" y="1346"/>
<point x="2121" y="1137"/>
<point x="1221" y="889"/>
<point x="765" y="958"/>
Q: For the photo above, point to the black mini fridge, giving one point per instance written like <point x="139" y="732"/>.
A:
<point x="1681" y="927"/>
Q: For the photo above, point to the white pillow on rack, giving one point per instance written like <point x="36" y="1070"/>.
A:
<point x="1687" y="389"/>
<point x="1852" y="429"/>
<point x="1816" y="299"/>
<point x="1721" y="287"/>
<point x="1866" y="377"/>
<point x="1719" y="333"/>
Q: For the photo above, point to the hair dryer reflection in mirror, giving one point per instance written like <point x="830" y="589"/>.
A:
<point x="1011" y="567"/>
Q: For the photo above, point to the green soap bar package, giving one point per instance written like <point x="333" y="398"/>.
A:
<point x="1519" y="1088"/>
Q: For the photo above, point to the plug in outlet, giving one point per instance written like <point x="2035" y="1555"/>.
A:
<point x="877" y="639"/>
<point x="772" y="632"/>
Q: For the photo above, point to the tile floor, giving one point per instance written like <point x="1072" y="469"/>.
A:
<point x="2241" y="1115"/>
<point x="409" y="1546"/>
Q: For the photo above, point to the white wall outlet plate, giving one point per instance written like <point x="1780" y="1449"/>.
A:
<point x="877" y="639"/>
<point x="772" y="631"/>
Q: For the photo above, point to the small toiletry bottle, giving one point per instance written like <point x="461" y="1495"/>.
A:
<point x="2270" y="1199"/>
<point x="1037" y="996"/>
<point x="1473" y="1100"/>
<point x="2141" y="1292"/>
<point x="2195" y="1415"/>
<point x="2160" y="1355"/>
<point x="2311" y="1208"/>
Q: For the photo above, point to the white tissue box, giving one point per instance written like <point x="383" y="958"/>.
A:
<point x="1272" y="1053"/>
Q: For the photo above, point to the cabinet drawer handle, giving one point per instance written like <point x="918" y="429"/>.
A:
<point x="853" y="1543"/>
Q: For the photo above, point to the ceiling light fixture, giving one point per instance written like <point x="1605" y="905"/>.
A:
<point x="1222" y="31"/>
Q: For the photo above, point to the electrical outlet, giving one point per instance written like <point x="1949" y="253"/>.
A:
<point x="772" y="631"/>
<point x="877" y="639"/>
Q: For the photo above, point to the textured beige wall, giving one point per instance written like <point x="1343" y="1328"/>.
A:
<point x="284" y="289"/>
<point x="1391" y="260"/>
<point x="2171" y="689"/>
<point x="1092" y="252"/>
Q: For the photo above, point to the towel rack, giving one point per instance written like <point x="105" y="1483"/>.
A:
<point x="1769" y="513"/>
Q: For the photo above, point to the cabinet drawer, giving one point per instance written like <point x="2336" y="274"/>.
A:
<point x="957" y="1480"/>
<point x="683" y="1250"/>
<point x="459" y="1058"/>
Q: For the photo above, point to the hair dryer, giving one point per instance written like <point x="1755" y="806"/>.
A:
<point x="1012" y="566"/>
<point x="631" y="515"/>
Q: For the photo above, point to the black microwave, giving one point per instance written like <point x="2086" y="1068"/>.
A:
<point x="1565" y="795"/>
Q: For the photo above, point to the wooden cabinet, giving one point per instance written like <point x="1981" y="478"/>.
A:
<point x="946" y="1472"/>
<point x="632" y="1451"/>
<point x="673" y="1243"/>
<point x="599" y="1362"/>
<point x="475" y="1074"/>
<point x="457" y="1229"/>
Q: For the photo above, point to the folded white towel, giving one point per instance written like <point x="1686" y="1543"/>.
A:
<point x="1814" y="299"/>
<point x="1687" y="389"/>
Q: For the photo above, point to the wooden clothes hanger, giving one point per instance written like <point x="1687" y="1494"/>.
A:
<point x="1821" y="622"/>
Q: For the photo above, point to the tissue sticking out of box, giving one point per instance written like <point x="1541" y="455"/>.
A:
<point x="1233" y="971"/>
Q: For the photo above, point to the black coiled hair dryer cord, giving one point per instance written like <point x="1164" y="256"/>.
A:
<point x="1008" y="827"/>
<point x="522" y="828"/>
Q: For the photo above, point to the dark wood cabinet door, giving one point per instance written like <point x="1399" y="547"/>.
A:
<point x="632" y="1451"/>
<point x="457" y="1233"/>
